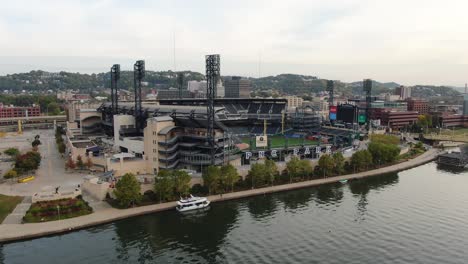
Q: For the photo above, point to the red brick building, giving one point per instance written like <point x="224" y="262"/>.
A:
<point x="397" y="120"/>
<point x="11" y="112"/>
<point x="418" y="105"/>
<point x="447" y="120"/>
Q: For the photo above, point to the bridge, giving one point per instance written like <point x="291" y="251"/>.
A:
<point x="11" y="123"/>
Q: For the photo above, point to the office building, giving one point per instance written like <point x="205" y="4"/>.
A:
<point x="237" y="87"/>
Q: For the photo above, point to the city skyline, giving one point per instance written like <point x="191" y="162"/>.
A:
<point x="409" y="43"/>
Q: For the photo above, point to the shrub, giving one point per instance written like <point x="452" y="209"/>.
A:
<point x="11" y="174"/>
<point x="12" y="152"/>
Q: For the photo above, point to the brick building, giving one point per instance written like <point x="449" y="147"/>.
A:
<point x="397" y="120"/>
<point x="419" y="105"/>
<point x="13" y="111"/>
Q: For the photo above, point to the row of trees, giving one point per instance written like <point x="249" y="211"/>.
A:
<point x="220" y="179"/>
<point x="59" y="140"/>
<point x="79" y="164"/>
<point x="171" y="184"/>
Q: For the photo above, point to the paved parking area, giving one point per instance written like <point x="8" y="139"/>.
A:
<point x="51" y="173"/>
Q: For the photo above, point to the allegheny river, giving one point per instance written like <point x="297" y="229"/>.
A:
<point x="415" y="216"/>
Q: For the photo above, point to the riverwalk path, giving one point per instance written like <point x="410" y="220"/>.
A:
<point x="12" y="232"/>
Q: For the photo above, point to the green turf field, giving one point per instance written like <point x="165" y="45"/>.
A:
<point x="280" y="141"/>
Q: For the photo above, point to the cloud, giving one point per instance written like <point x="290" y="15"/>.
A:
<point x="306" y="36"/>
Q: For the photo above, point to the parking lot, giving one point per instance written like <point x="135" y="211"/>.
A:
<point x="51" y="172"/>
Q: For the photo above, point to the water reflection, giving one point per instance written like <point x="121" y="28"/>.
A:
<point x="201" y="234"/>
<point x="362" y="187"/>
<point x="2" y="256"/>
<point x="262" y="206"/>
<point x="330" y="193"/>
<point x="295" y="199"/>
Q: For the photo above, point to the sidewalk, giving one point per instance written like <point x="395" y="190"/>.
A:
<point x="16" y="217"/>
<point x="12" y="232"/>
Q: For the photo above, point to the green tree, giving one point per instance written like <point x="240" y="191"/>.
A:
<point x="28" y="161"/>
<point x="181" y="182"/>
<point x="211" y="179"/>
<point x="53" y="108"/>
<point x="361" y="160"/>
<point x="79" y="162"/>
<point x="326" y="164"/>
<point x="271" y="171"/>
<point x="12" y="152"/>
<point x="256" y="175"/>
<point x="61" y="147"/>
<point x="164" y="185"/>
<point x="230" y="176"/>
<point x="305" y="168"/>
<point x="339" y="162"/>
<point x="293" y="168"/>
<point x="383" y="153"/>
<point x="127" y="190"/>
<point x="10" y="174"/>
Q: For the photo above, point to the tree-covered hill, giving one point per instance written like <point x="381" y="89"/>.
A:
<point x="294" y="84"/>
<point x="40" y="81"/>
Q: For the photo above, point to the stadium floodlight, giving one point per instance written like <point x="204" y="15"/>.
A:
<point x="138" y="75"/>
<point x="115" y="77"/>
<point x="212" y="77"/>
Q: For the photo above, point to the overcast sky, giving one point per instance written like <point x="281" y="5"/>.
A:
<point x="406" y="41"/>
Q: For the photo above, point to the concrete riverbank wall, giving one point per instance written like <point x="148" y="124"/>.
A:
<point x="14" y="232"/>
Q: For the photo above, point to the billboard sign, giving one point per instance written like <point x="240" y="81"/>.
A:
<point x="362" y="118"/>
<point x="333" y="109"/>
<point x="261" y="141"/>
<point x="332" y="116"/>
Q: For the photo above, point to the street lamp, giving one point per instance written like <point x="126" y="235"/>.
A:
<point x="58" y="209"/>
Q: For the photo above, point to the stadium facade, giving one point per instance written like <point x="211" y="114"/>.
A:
<point x="174" y="134"/>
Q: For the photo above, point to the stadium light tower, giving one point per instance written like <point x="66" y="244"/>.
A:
<point x="138" y="75"/>
<point x="115" y="76"/>
<point x="180" y="83"/>
<point x="212" y="77"/>
<point x="330" y="90"/>
<point x="367" y="87"/>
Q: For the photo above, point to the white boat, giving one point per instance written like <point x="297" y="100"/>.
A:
<point x="192" y="203"/>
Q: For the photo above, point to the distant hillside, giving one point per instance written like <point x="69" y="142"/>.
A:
<point x="41" y="81"/>
<point x="425" y="91"/>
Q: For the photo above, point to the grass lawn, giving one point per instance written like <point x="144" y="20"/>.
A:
<point x="7" y="205"/>
<point x="280" y="141"/>
<point x="48" y="211"/>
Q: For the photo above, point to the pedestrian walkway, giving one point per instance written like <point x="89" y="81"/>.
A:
<point x="16" y="217"/>
<point x="97" y="205"/>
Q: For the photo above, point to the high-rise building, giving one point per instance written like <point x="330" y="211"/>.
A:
<point x="237" y="87"/>
<point x="220" y="92"/>
<point x="403" y="91"/>
<point x="465" y="104"/>
<point x="294" y="101"/>
<point x="194" y="86"/>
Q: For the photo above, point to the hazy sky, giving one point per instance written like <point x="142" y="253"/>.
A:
<point x="407" y="41"/>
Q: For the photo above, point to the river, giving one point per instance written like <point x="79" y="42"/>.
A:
<point x="415" y="216"/>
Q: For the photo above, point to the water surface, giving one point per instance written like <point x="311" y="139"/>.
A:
<point x="415" y="216"/>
